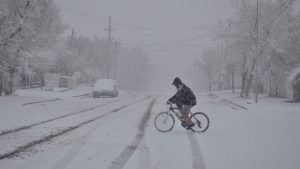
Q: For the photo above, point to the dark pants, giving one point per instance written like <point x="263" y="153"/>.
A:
<point x="184" y="110"/>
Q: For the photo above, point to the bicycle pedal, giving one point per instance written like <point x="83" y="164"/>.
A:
<point x="183" y="124"/>
<point x="192" y="130"/>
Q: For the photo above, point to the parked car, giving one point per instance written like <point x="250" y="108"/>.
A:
<point x="105" y="87"/>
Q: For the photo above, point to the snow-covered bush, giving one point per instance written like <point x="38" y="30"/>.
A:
<point x="296" y="88"/>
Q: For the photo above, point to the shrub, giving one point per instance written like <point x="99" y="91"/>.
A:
<point x="296" y="88"/>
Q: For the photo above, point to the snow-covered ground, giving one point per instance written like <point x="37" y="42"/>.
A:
<point x="117" y="133"/>
<point x="33" y="105"/>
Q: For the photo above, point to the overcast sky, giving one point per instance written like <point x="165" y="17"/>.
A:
<point x="168" y="30"/>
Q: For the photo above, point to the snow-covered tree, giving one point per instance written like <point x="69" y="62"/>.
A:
<point x="25" y="26"/>
<point x="278" y="38"/>
<point x="209" y="66"/>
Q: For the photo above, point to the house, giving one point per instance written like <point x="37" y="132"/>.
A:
<point x="290" y="78"/>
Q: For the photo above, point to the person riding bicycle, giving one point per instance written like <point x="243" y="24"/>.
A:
<point x="185" y="100"/>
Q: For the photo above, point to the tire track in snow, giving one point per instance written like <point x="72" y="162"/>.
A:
<point x="82" y="95"/>
<point x="144" y="159"/>
<point x="122" y="159"/>
<point x="196" y="152"/>
<point x="234" y="104"/>
<point x="42" y="101"/>
<point x="227" y="102"/>
<point x="76" y="148"/>
<point x="5" y="132"/>
<point x="69" y="157"/>
<point x="46" y="138"/>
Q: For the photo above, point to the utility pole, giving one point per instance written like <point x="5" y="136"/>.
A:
<point x="108" y="48"/>
<point x="232" y="65"/>
<point x="220" y="56"/>
<point x="116" y="54"/>
<point x="219" y="72"/>
<point x="108" y="64"/>
<point x="128" y="72"/>
<point x="73" y="33"/>
<point x="257" y="55"/>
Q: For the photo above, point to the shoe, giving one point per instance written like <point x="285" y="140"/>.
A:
<point x="183" y="124"/>
<point x="190" y="126"/>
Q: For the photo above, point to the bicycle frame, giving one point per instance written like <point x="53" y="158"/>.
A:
<point x="177" y="114"/>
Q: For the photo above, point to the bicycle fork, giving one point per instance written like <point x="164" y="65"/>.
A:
<point x="166" y="119"/>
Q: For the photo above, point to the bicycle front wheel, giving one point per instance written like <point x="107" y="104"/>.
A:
<point x="164" y="122"/>
<point x="201" y="121"/>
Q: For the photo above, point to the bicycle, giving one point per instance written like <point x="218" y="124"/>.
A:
<point x="165" y="121"/>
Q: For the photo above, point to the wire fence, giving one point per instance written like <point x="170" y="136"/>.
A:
<point x="10" y="82"/>
<point x="28" y="81"/>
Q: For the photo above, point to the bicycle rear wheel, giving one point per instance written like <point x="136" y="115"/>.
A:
<point x="164" y="122"/>
<point x="201" y="122"/>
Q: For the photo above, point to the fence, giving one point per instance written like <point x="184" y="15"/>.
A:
<point x="9" y="84"/>
<point x="30" y="81"/>
<point x="54" y="81"/>
<point x="66" y="82"/>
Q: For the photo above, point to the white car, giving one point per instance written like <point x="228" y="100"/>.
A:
<point x="105" y="87"/>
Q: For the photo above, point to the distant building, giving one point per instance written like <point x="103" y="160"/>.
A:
<point x="290" y="78"/>
<point x="274" y="83"/>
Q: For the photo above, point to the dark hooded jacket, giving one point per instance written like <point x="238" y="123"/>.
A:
<point x="184" y="96"/>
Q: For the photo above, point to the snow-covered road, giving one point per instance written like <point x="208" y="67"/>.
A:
<point x="114" y="133"/>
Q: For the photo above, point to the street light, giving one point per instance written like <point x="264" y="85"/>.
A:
<point x="257" y="53"/>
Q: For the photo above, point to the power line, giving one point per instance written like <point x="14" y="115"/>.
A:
<point x="136" y="27"/>
<point x="145" y="44"/>
<point x="171" y="42"/>
<point x="163" y="29"/>
<point x="173" y="51"/>
<point x="281" y="7"/>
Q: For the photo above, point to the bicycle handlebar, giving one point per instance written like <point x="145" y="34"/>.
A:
<point x="171" y="107"/>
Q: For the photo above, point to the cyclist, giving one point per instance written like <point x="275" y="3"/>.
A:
<point x="185" y="100"/>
